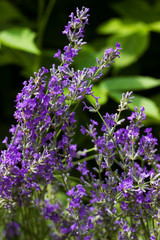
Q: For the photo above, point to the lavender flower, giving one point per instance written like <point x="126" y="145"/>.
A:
<point x="119" y="198"/>
<point x="12" y="230"/>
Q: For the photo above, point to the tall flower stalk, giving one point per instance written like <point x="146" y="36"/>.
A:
<point x="117" y="199"/>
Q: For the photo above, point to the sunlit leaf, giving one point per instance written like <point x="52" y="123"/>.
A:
<point x="155" y="26"/>
<point x="151" y="109"/>
<point x="19" y="38"/>
<point x="99" y="91"/>
<point x="123" y="27"/>
<point x="133" y="46"/>
<point x="130" y="83"/>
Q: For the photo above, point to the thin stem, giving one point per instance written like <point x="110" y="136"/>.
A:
<point x="40" y="10"/>
<point x="24" y="144"/>
<point x="133" y="158"/>
<point x="66" y="187"/>
<point x="84" y="159"/>
<point x="111" y="135"/>
<point x="144" y="227"/>
<point x="41" y="25"/>
<point x="44" y="19"/>
<point x="99" y="171"/>
<point x="15" y="133"/>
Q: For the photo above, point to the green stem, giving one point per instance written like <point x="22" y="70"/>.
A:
<point x="15" y="133"/>
<point x="145" y="229"/>
<point x="42" y="21"/>
<point x="111" y="135"/>
<point x="84" y="159"/>
<point x="133" y="158"/>
<point x="99" y="171"/>
<point x="24" y="145"/>
<point x="40" y="11"/>
<point x="66" y="187"/>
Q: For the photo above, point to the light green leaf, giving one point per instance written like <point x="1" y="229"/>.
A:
<point x="19" y="38"/>
<point x="133" y="46"/>
<point x="122" y="27"/>
<point x="151" y="109"/>
<point x="155" y="26"/>
<point x="130" y="83"/>
<point x="99" y="91"/>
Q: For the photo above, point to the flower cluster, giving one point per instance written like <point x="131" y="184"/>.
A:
<point x="12" y="230"/>
<point x="119" y="198"/>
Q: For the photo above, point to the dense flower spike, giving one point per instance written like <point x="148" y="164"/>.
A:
<point x="119" y="198"/>
<point x="12" y="230"/>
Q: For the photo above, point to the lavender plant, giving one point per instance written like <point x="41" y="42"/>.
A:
<point x="41" y="197"/>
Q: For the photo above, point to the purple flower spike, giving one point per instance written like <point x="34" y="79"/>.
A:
<point x="110" y="190"/>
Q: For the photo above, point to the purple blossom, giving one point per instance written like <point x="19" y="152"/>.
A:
<point x="12" y="230"/>
<point x="125" y="184"/>
<point x="83" y="168"/>
<point x="39" y="161"/>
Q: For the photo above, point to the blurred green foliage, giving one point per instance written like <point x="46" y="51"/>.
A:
<point x="132" y="29"/>
<point x="30" y="34"/>
<point x="21" y="37"/>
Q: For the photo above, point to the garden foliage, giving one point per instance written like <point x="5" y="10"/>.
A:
<point x="47" y="190"/>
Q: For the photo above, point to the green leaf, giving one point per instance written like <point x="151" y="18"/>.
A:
<point x="129" y="83"/>
<point x="19" y="38"/>
<point x="155" y="26"/>
<point x="9" y="12"/>
<point x="133" y="46"/>
<point x="122" y="27"/>
<point x="86" y="57"/>
<point x="99" y="91"/>
<point x="151" y="109"/>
